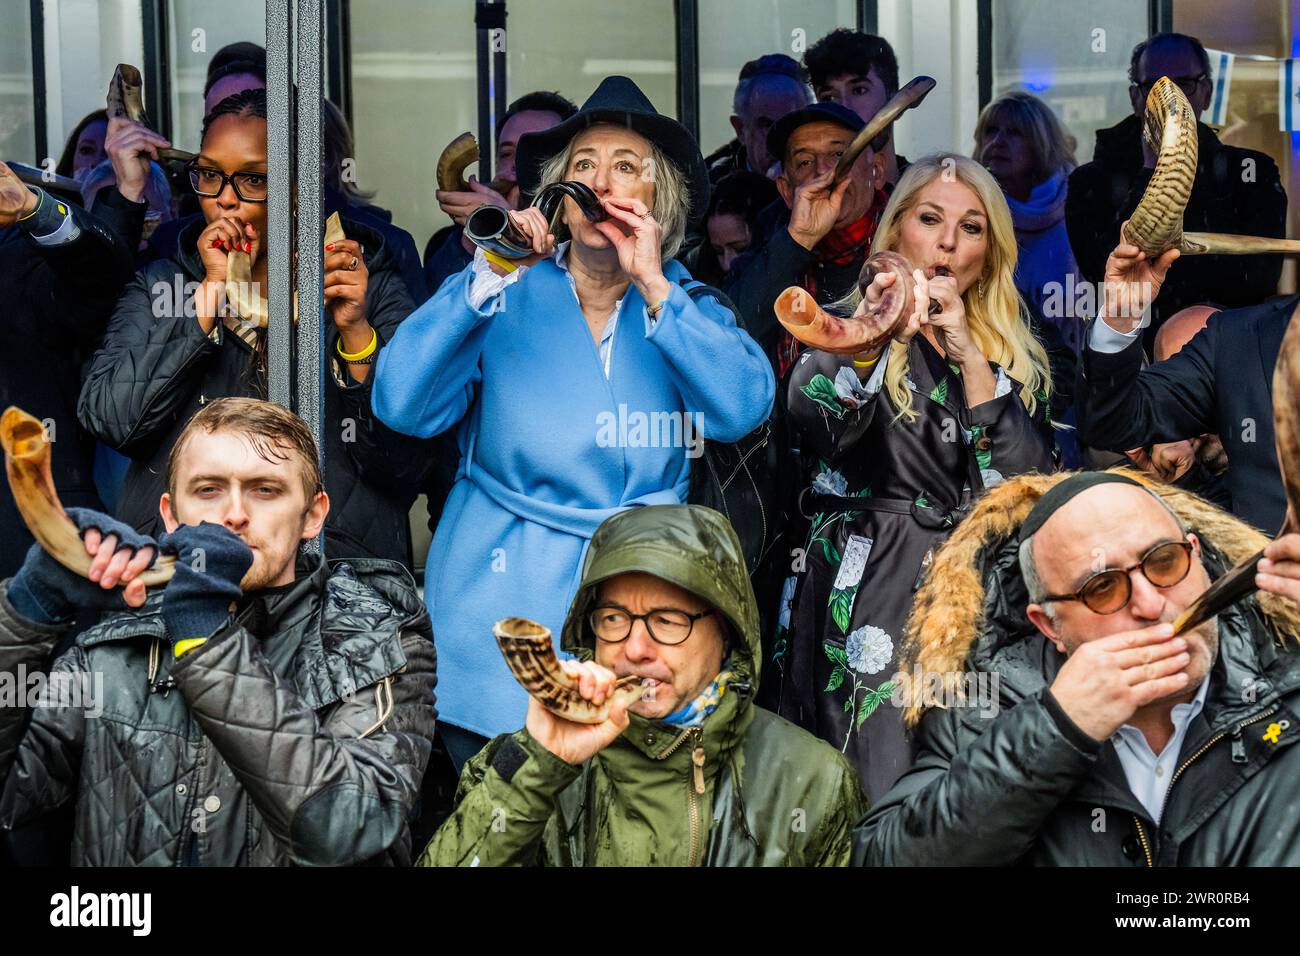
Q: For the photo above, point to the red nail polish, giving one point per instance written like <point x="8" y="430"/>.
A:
<point x="329" y="246"/>
<point x="248" y="247"/>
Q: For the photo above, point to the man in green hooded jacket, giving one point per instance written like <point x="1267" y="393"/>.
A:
<point x="693" y="773"/>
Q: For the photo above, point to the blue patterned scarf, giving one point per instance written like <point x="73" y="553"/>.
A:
<point x="693" y="714"/>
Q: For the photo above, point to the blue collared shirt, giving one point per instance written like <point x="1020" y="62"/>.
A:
<point x="1148" y="775"/>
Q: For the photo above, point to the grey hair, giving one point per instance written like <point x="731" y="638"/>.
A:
<point x="745" y="91"/>
<point x="1029" y="570"/>
<point x="669" y="206"/>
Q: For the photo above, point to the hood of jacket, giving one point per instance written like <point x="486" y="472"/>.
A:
<point x="1045" y="206"/>
<point x="969" y="613"/>
<point x="696" y="549"/>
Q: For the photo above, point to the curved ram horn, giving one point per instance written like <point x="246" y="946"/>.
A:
<point x="125" y="99"/>
<point x="526" y="646"/>
<point x="1157" y="223"/>
<point x="27" y="463"/>
<point x="1240" y="581"/>
<point x="455" y="159"/>
<point x="812" y="325"/>
<point x="910" y="95"/>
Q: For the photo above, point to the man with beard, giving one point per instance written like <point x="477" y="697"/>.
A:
<point x="264" y="708"/>
<point x="1114" y="742"/>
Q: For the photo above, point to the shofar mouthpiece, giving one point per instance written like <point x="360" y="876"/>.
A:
<point x="526" y="646"/>
<point x="27" y="463"/>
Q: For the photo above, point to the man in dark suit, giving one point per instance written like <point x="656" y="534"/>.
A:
<point x="1236" y="190"/>
<point x="1220" y="382"/>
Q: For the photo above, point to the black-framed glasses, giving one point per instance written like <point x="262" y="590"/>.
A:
<point x="1188" y="84"/>
<point x="1108" y="591"/>
<point x="207" y="181"/>
<point x="666" y="625"/>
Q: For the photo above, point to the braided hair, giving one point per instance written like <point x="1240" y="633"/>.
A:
<point x="243" y="103"/>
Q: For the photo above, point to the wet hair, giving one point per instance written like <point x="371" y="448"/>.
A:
<point x="540" y="101"/>
<point x="233" y="59"/>
<point x="1162" y="39"/>
<point x="64" y="168"/>
<point x="849" y="52"/>
<point x="742" y="193"/>
<point x="1051" y="146"/>
<point x="274" y="432"/>
<point x="243" y="103"/>
<point x="766" y="68"/>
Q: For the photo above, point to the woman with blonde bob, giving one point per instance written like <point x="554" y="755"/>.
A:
<point x="903" y="440"/>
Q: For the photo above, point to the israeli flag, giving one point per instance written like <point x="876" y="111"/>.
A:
<point x="1220" y="82"/>
<point x="1288" y="94"/>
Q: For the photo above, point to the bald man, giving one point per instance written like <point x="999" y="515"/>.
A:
<point x="1117" y="744"/>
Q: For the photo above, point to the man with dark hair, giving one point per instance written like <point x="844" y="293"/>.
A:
<point x="1236" y="191"/>
<point x="860" y="71"/>
<point x="448" y="251"/>
<point x="770" y="87"/>
<point x="263" y="708"/>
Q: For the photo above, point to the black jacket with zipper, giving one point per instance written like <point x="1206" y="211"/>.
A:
<point x="157" y="368"/>
<point x="1028" y="787"/>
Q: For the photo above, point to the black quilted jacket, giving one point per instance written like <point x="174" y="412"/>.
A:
<point x="156" y="369"/>
<point x="298" y="735"/>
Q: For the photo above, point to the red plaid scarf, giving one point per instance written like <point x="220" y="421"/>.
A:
<point x="839" y="247"/>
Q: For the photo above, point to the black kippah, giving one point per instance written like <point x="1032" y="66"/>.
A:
<point x="1063" y="491"/>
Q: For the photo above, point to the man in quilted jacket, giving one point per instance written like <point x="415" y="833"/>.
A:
<point x="263" y="707"/>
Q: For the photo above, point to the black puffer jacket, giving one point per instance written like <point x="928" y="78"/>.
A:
<point x="1026" y="786"/>
<point x="273" y="744"/>
<point x="157" y="368"/>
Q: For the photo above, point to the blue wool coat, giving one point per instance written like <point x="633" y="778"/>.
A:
<point x="550" y="448"/>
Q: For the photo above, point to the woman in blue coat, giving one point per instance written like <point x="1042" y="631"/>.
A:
<point x="583" y="382"/>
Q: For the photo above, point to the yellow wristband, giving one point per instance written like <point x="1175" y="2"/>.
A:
<point x="501" y="261"/>
<point x="857" y="364"/>
<point x="40" y="201"/>
<point x="364" y="353"/>
<point x="188" y="645"/>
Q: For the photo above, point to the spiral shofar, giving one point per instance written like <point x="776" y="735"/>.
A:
<point x="27" y="464"/>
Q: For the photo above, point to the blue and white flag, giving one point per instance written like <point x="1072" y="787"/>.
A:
<point x="1220" y="83"/>
<point x="1288" y="96"/>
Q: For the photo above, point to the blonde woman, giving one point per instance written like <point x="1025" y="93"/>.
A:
<point x="1021" y="142"/>
<point x="902" y="440"/>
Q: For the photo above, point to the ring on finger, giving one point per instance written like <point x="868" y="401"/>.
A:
<point x="352" y="266"/>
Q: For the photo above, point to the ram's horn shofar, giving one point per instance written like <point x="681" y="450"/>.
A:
<point x="910" y="95"/>
<point x="27" y="463"/>
<point x="455" y="159"/>
<point x="125" y="98"/>
<point x="526" y="646"/>
<point x="1157" y="223"/>
<point x="1240" y="581"/>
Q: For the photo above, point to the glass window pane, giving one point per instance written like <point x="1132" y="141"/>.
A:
<point x="732" y="32"/>
<point x="17" y="99"/>
<point x="571" y="45"/>
<point x="1073" y="56"/>
<point x="413" y="74"/>
<point x="199" y="29"/>
<point x="84" y="42"/>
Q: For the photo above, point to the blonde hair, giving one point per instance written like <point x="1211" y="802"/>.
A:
<point x="1051" y="146"/>
<point x="669" y="206"/>
<point x="998" y="319"/>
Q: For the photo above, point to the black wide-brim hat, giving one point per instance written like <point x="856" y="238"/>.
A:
<point x="619" y="101"/>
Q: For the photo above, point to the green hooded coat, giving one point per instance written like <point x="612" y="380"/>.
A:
<point x="774" y="795"/>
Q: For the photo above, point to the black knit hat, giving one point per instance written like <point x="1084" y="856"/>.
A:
<point x="619" y="101"/>
<point x="1061" y="492"/>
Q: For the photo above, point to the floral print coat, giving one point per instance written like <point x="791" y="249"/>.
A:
<point x="886" y="493"/>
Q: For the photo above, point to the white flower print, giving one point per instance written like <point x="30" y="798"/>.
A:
<point x="831" y="482"/>
<point x="854" y="563"/>
<point x="869" y="649"/>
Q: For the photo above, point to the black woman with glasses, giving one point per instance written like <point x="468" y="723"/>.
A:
<point x="177" y="341"/>
<point x="1108" y="740"/>
<point x="1236" y="190"/>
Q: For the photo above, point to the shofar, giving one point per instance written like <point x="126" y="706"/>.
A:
<point x="812" y="325"/>
<point x="27" y="463"/>
<point x="526" y="646"/>
<point x="455" y="159"/>
<point x="1157" y="223"/>
<point x="125" y="99"/>
<point x="242" y="294"/>
<point x="910" y="95"/>
<point x="1240" y="581"/>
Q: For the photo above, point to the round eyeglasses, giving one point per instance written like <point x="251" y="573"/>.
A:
<point x="666" y="625"/>
<point x="1108" y="591"/>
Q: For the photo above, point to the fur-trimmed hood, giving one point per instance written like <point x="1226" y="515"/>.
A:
<point x="972" y="603"/>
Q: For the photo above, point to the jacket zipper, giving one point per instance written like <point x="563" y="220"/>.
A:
<point x="694" y="783"/>
<point x="1238" y="756"/>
